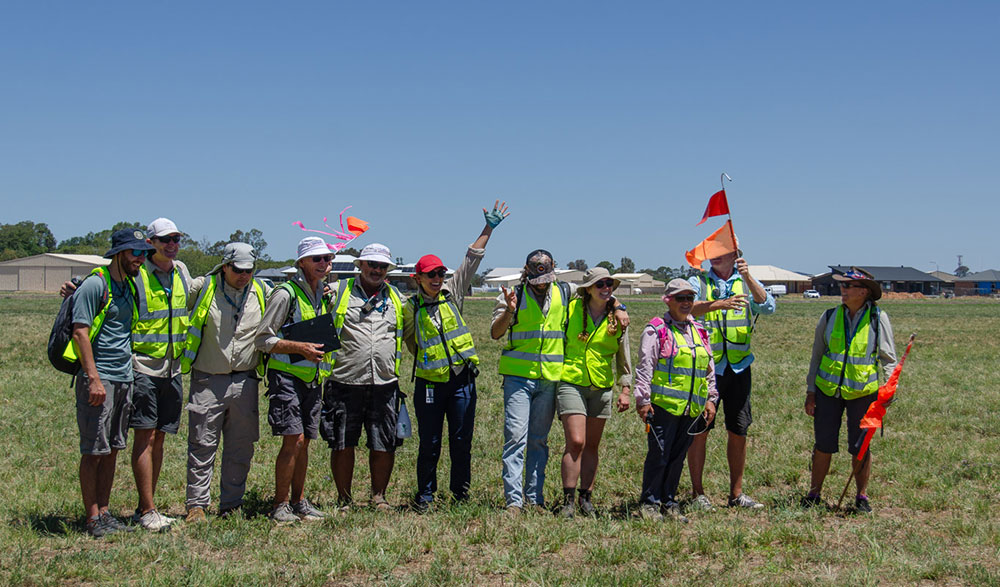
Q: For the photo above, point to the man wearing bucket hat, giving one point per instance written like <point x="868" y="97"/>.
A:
<point x="226" y="308"/>
<point x="295" y="374"/>
<point x="158" y="337"/>
<point x="674" y="388"/>
<point x="533" y="315"/>
<point x="445" y="364"/>
<point x="849" y="340"/>
<point x="103" y="311"/>
<point x="730" y="300"/>
<point x="362" y="392"/>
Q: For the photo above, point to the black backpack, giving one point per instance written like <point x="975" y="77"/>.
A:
<point x="62" y="333"/>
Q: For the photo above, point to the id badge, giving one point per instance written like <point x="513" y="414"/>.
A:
<point x="429" y="394"/>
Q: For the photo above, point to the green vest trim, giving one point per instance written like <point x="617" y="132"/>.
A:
<point x="681" y="381"/>
<point x="729" y="331"/>
<point x="535" y="345"/>
<point x="850" y="371"/>
<point x="162" y="317"/>
<point x="200" y="316"/>
<point x="439" y="348"/>
<point x="72" y="352"/>
<point x="344" y="287"/>
<point x="589" y="362"/>
<point x="302" y="309"/>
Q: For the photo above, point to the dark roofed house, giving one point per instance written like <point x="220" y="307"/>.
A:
<point x="892" y="279"/>
<point x="984" y="283"/>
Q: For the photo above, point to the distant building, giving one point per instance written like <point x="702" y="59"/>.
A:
<point x="769" y="275"/>
<point x="947" y="281"/>
<point x="46" y="272"/>
<point x="637" y="283"/>
<point x="892" y="279"/>
<point x="984" y="283"/>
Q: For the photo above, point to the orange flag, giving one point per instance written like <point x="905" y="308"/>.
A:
<point x="356" y="226"/>
<point x="718" y="243"/>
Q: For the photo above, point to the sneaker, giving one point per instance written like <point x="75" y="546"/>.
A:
<point x="862" y="506"/>
<point x="195" y="515"/>
<point x="649" y="511"/>
<point x="380" y="504"/>
<point x="811" y="501"/>
<point x="568" y="510"/>
<point x="113" y="522"/>
<point x="701" y="504"/>
<point x="421" y="506"/>
<point x="307" y="511"/>
<point x="746" y="502"/>
<point x="283" y="514"/>
<point x="513" y="511"/>
<point x="137" y="517"/>
<point x="586" y="507"/>
<point x="154" y="521"/>
<point x="97" y="528"/>
<point x="673" y="512"/>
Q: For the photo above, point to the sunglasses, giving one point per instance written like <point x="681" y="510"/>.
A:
<point x="375" y="265"/>
<point x="852" y="285"/>
<point x="436" y="273"/>
<point x="322" y="258"/>
<point x="234" y="269"/>
<point x="139" y="252"/>
<point x="604" y="283"/>
<point x="684" y="298"/>
<point x="169" y="239"/>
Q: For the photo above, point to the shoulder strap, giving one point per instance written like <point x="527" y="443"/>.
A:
<point x="564" y="292"/>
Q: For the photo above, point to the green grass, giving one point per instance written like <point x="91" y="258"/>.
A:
<point x="934" y="486"/>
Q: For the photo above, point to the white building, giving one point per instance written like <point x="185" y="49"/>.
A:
<point x="46" y="272"/>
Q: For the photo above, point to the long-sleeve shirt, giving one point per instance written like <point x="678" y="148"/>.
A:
<point x="649" y="354"/>
<point x="456" y="285"/>
<point x="277" y="308"/>
<point x="886" y="343"/>
<point x="725" y="287"/>
<point x="165" y="366"/>
<point x="227" y="338"/>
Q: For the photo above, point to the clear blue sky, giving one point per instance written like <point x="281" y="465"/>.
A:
<point x="855" y="132"/>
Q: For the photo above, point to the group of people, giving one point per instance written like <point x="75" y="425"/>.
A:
<point x="142" y="321"/>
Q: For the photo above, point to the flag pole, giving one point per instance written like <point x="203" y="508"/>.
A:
<point x="722" y="180"/>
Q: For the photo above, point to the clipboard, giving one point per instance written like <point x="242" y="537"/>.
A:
<point x="319" y="330"/>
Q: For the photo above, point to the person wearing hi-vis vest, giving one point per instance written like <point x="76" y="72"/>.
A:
<point x="596" y="347"/>
<point x="730" y="300"/>
<point x="445" y="365"/>
<point x="226" y="309"/>
<point x="295" y="374"/>
<point x="158" y="343"/>
<point x="674" y="388"/>
<point x="850" y="343"/>
<point x="533" y="316"/>
<point x="363" y="392"/>
<point x="103" y="311"/>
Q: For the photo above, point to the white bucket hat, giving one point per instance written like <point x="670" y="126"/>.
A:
<point x="312" y="245"/>
<point x="376" y="253"/>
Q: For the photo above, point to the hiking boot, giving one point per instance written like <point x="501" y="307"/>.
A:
<point x="113" y="523"/>
<point x="195" y="515"/>
<point x="586" y="507"/>
<point x="811" y="501"/>
<point x="154" y="521"/>
<point x="862" y="506"/>
<point x="746" y="502"/>
<point x="701" y="504"/>
<point x="513" y="511"/>
<point x="648" y="511"/>
<point x="673" y="512"/>
<point x="568" y="510"/>
<point x="307" y="511"/>
<point x="97" y="528"/>
<point x="283" y="514"/>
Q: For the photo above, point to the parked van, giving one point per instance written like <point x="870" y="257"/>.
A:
<point x="776" y="290"/>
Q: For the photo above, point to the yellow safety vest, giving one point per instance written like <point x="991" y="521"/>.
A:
<point x="200" y="316"/>
<point x="162" y="317"/>
<point x="301" y="367"/>
<point x="589" y="362"/>
<point x="535" y="344"/>
<point x="851" y="371"/>
<point x="344" y="287"/>
<point x="729" y="331"/>
<point x="72" y="352"/>
<point x="682" y="380"/>
<point x="438" y="348"/>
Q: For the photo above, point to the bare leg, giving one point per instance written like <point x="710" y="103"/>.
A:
<point x="158" y="437"/>
<point x="89" y="465"/>
<point x="342" y="468"/>
<point x="284" y="466"/>
<point x="820" y="467"/>
<point x="300" y="470"/>
<point x="105" y="479"/>
<point x="736" y="454"/>
<point x="588" y="468"/>
<point x="381" y="464"/>
<point x="142" y="468"/>
<point x="575" y="431"/>
<point x="696" y="463"/>
<point x="863" y="473"/>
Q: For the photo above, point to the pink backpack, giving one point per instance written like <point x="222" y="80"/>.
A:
<point x="668" y="346"/>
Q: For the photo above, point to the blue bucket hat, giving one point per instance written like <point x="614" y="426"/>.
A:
<point x="128" y="238"/>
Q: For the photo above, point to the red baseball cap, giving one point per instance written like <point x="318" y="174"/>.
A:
<point x="428" y="263"/>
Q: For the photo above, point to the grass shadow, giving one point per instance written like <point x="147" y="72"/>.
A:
<point x="51" y="524"/>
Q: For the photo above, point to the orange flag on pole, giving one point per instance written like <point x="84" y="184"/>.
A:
<point x="718" y="243"/>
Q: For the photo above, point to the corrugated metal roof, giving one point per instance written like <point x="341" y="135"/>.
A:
<point x="87" y="259"/>
<point x="772" y="273"/>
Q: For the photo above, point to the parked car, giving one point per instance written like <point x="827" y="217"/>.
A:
<point x="776" y="290"/>
<point x="810" y="293"/>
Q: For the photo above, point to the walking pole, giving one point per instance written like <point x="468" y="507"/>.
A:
<point x="855" y="466"/>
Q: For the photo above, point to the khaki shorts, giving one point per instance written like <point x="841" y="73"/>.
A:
<point x="579" y="399"/>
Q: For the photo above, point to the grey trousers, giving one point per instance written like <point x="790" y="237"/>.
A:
<point x="221" y="405"/>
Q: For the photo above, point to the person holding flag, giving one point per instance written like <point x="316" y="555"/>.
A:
<point x="849" y="341"/>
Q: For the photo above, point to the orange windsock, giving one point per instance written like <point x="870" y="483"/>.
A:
<point x="717" y="244"/>
<point x="356" y="226"/>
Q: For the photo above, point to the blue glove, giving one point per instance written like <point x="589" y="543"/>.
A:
<point x="496" y="216"/>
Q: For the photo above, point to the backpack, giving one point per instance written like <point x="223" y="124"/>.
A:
<point x="62" y="333"/>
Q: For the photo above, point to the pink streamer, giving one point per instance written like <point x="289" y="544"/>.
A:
<point x="342" y="234"/>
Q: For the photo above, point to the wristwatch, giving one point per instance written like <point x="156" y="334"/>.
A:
<point x="621" y="307"/>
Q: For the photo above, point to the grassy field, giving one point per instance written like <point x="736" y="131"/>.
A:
<point x="935" y="485"/>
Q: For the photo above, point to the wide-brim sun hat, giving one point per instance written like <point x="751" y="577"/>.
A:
<point x="595" y="274"/>
<point x="312" y="246"/>
<point x="128" y="238"/>
<point x="239" y="255"/>
<point x="375" y="253"/>
<point x="864" y="278"/>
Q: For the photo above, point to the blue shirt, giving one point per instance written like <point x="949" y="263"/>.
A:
<point x="113" y="345"/>
<point x="725" y="287"/>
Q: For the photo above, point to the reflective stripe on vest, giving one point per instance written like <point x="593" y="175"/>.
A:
<point x="681" y="381"/>
<point x="591" y="361"/>
<point x="200" y="316"/>
<point x="72" y="352"/>
<point x="162" y="317"/>
<point x="850" y="371"/>
<point x="344" y="287"/>
<point x="729" y="331"/>
<point x="302" y="368"/>
<point x="534" y="348"/>
<point x="432" y="357"/>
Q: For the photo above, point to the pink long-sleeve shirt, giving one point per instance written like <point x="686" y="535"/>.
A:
<point x="649" y="354"/>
